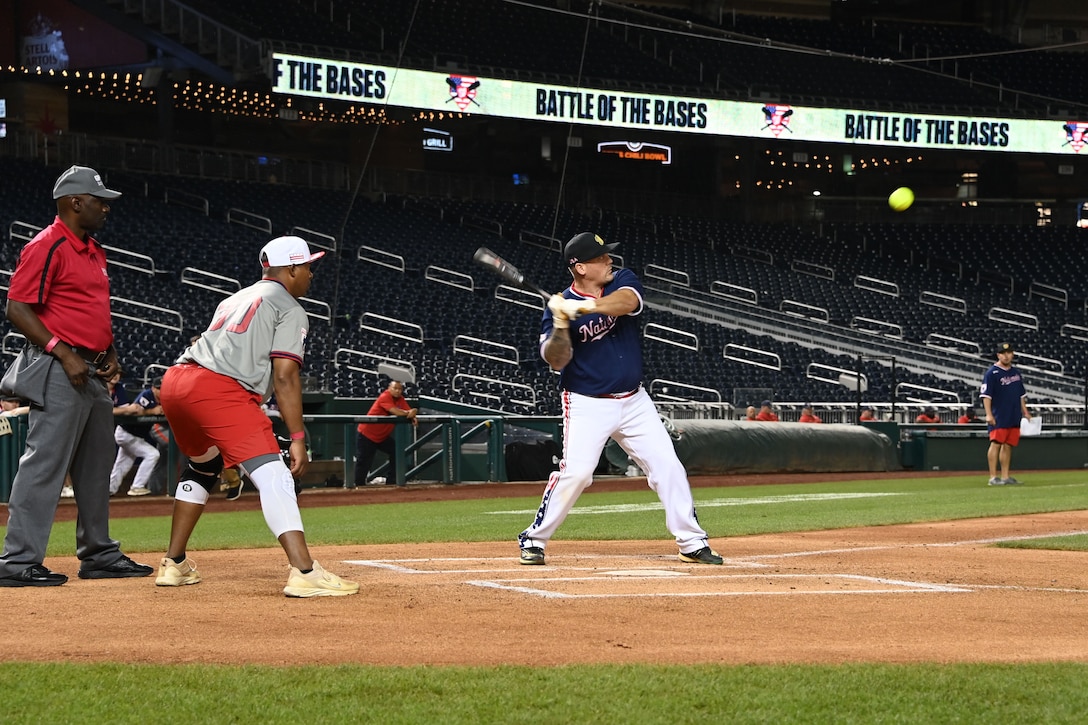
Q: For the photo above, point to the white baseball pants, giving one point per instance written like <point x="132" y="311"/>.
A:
<point x="634" y="423"/>
<point x="129" y="448"/>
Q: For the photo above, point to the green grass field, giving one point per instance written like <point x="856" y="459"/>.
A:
<point x="857" y="693"/>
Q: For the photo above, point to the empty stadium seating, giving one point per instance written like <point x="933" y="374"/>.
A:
<point x="375" y="303"/>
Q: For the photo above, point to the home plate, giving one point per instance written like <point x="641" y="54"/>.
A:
<point x="644" y="572"/>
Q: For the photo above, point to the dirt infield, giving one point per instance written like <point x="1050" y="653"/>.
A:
<point x="933" y="592"/>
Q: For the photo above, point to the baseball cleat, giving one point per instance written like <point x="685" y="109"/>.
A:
<point x="142" y="491"/>
<point x="532" y="555"/>
<point x="235" y="492"/>
<point x="172" y="574"/>
<point x="318" y="583"/>
<point x="705" y="555"/>
<point x="234" y="483"/>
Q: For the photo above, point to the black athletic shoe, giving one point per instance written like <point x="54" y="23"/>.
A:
<point x="235" y="492"/>
<point x="120" y="569"/>
<point x="532" y="555"/>
<point x="34" y="576"/>
<point x="705" y="555"/>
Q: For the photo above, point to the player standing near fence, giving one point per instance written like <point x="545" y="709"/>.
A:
<point x="1006" y="401"/>
<point x="589" y="333"/>
<point x="212" y="399"/>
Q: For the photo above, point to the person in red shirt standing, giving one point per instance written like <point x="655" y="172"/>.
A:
<point x="807" y="416"/>
<point x="375" y="437"/>
<point x="765" y="412"/>
<point x="59" y="299"/>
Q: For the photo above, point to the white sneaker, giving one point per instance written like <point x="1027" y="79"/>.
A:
<point x="139" y="491"/>
<point x="318" y="583"/>
<point x="67" y="492"/>
<point x="176" y="575"/>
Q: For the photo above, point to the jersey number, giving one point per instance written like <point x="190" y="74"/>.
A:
<point x="239" y="322"/>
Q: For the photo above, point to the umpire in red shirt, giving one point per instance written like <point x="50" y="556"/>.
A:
<point x="59" y="299"/>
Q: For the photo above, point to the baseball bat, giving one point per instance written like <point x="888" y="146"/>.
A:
<point x="488" y="259"/>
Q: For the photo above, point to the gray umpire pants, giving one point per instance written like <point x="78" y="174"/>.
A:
<point x="72" y="432"/>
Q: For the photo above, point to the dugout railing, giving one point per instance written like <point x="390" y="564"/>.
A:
<point x="442" y="448"/>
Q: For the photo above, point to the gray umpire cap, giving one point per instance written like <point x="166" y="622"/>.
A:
<point x="82" y="180"/>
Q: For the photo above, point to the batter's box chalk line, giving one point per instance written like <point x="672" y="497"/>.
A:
<point x="877" y="585"/>
<point x="532" y="580"/>
<point x="511" y="563"/>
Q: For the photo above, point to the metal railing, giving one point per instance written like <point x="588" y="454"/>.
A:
<point x="787" y="328"/>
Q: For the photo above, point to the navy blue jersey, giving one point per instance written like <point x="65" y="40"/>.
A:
<point x="119" y="395"/>
<point x="1004" y="388"/>
<point x="607" y="353"/>
<point x="145" y="400"/>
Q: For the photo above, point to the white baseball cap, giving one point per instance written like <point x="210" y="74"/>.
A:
<point x="287" y="251"/>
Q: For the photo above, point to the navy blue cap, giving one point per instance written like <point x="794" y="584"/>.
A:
<point x="585" y="246"/>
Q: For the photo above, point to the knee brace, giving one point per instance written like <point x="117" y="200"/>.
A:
<point x="205" y="475"/>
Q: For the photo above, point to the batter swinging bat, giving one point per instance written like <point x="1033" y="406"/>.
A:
<point x="486" y="258"/>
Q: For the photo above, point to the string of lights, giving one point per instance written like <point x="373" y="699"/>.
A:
<point x="822" y="163"/>
<point x="208" y="97"/>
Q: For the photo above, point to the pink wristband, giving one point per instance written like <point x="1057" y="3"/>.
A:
<point x="298" y="435"/>
<point x="51" y="344"/>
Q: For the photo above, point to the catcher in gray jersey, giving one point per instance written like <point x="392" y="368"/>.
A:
<point x="212" y="398"/>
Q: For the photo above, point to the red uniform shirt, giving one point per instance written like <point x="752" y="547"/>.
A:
<point x="378" y="432"/>
<point x="63" y="279"/>
<point x="807" y="418"/>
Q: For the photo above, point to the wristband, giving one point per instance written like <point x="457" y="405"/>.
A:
<point x="51" y="344"/>
<point x="298" y="435"/>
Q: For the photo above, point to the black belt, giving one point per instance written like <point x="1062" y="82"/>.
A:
<point x="91" y="356"/>
<point x="618" y="396"/>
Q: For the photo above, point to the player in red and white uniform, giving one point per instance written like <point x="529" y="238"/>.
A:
<point x="212" y="398"/>
<point x="590" y="334"/>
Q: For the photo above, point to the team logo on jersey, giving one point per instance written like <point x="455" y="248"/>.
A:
<point x="1074" y="134"/>
<point x="302" y="335"/>
<point x="463" y="90"/>
<point x="596" y="327"/>
<point x="777" y="117"/>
